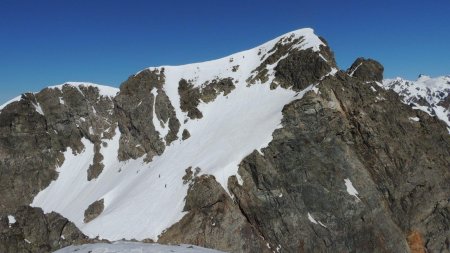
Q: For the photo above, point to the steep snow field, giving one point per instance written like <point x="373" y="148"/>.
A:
<point x="426" y="94"/>
<point x="143" y="199"/>
<point x="134" y="247"/>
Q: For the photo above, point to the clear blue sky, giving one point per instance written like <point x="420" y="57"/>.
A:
<point x="49" y="42"/>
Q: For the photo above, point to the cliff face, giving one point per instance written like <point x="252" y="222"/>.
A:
<point x="268" y="150"/>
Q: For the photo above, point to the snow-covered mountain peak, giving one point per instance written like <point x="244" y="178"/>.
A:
<point x="243" y="64"/>
<point x="206" y="116"/>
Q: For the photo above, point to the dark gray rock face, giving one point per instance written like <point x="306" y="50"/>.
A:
<point x="185" y="134"/>
<point x="37" y="129"/>
<point x="190" y="96"/>
<point x="214" y="221"/>
<point x="301" y="68"/>
<point x="399" y="168"/>
<point x="189" y="99"/>
<point x="210" y="90"/>
<point x="94" y="210"/>
<point x="366" y="70"/>
<point x="298" y="69"/>
<point x="135" y="106"/>
<point x="36" y="232"/>
<point x="34" y="133"/>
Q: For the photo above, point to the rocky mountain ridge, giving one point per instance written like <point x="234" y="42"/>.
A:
<point x="269" y="150"/>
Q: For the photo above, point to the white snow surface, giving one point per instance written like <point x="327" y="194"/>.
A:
<point x="11" y="219"/>
<point x="134" y="247"/>
<point x="350" y="188"/>
<point x="143" y="199"/>
<point x="310" y="218"/>
<point x="425" y="88"/>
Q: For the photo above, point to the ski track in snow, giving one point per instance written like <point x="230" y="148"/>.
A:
<point x="143" y="199"/>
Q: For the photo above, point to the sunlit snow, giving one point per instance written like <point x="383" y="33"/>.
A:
<point x="143" y="199"/>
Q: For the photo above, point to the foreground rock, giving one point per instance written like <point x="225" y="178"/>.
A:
<point x="30" y="230"/>
<point x="296" y="192"/>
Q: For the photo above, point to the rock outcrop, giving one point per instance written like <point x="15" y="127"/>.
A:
<point x="366" y="70"/>
<point x="140" y="99"/>
<point x="345" y="133"/>
<point x="214" y="221"/>
<point x="94" y="210"/>
<point x="37" y="129"/>
<point x="30" y="230"/>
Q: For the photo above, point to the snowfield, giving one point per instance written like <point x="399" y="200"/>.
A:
<point x="134" y="247"/>
<point x="141" y="200"/>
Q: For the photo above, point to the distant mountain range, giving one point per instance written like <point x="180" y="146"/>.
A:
<point x="430" y="95"/>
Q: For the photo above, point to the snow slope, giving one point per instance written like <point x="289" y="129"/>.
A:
<point x="143" y="199"/>
<point x="426" y="94"/>
<point x="130" y="247"/>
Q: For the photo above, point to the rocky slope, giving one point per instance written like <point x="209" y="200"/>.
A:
<point x="269" y="150"/>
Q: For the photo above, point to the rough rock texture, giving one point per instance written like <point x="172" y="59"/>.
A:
<point x="366" y="70"/>
<point x="36" y="232"/>
<point x="399" y="167"/>
<point x="190" y="96"/>
<point x="185" y="134"/>
<point x="189" y="99"/>
<point x="210" y="90"/>
<point x="294" y="68"/>
<point x="94" y="210"/>
<point x="214" y="221"/>
<point x="37" y="129"/>
<point x="97" y="166"/>
<point x="302" y="68"/>
<point x="135" y="105"/>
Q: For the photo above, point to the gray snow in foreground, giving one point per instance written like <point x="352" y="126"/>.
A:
<point x="134" y="247"/>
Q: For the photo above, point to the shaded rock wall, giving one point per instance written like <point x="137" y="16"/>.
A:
<point x="36" y="232"/>
<point x="35" y="131"/>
